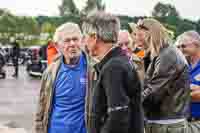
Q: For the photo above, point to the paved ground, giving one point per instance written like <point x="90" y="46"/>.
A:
<point x="18" y="98"/>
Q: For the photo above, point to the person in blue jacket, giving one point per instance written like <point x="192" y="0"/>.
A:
<point x="62" y="96"/>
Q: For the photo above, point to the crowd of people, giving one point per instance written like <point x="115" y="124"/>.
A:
<point x="103" y="79"/>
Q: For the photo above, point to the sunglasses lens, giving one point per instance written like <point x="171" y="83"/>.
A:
<point x="143" y="27"/>
<point x="183" y="46"/>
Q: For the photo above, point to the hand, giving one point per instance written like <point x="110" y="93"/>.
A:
<point x="195" y="94"/>
<point x="194" y="87"/>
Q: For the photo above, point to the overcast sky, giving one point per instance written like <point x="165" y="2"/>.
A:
<point x="187" y="8"/>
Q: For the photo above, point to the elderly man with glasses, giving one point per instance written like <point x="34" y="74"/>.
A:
<point x="189" y="44"/>
<point x="61" y="107"/>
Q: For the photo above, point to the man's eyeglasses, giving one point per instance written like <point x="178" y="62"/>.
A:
<point x="124" y="43"/>
<point x="68" y="40"/>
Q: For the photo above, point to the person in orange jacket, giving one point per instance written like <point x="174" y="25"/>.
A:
<point x="138" y="50"/>
<point x="51" y="52"/>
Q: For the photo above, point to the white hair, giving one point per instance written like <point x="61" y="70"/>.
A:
<point x="188" y="37"/>
<point x="128" y="34"/>
<point x="178" y="40"/>
<point x="66" y="29"/>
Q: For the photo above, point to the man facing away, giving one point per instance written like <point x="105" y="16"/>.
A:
<point x="116" y="102"/>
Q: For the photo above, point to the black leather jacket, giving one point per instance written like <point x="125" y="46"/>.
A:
<point x="116" y="102"/>
<point x="166" y="93"/>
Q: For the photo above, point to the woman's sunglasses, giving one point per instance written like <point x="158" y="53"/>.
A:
<point x="141" y="25"/>
<point x="182" y="46"/>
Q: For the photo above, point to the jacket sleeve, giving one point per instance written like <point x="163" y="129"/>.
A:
<point x="117" y="100"/>
<point x="39" y="127"/>
<point x="164" y="72"/>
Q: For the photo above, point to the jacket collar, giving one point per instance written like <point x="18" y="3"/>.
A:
<point x="57" y="61"/>
<point x="59" y="57"/>
<point x="113" y="53"/>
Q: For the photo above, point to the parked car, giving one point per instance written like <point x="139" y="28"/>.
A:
<point x="35" y="65"/>
<point x="8" y="56"/>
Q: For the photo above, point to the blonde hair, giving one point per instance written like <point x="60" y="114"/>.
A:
<point x="132" y="26"/>
<point x="158" y="37"/>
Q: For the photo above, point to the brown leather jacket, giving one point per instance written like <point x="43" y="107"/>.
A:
<point x="166" y="92"/>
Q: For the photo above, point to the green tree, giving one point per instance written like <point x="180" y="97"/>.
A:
<point x="68" y="7"/>
<point x="28" y="25"/>
<point x="92" y="5"/>
<point x="166" y="13"/>
<point x="198" y="25"/>
<point x="185" y="25"/>
<point x="164" y="10"/>
<point x="18" y="27"/>
<point x="7" y="23"/>
<point x="48" y="28"/>
<point x="1" y="12"/>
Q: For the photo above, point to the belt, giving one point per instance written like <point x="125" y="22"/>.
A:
<point x="170" y="121"/>
<point x="192" y="119"/>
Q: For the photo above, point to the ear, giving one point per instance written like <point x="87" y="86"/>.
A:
<point x="94" y="37"/>
<point x="197" y="45"/>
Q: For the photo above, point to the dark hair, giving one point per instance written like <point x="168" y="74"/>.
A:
<point x="106" y="26"/>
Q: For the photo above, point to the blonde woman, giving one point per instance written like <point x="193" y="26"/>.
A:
<point x="166" y="94"/>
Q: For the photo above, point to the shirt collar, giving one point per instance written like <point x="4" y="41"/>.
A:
<point x="195" y="67"/>
<point x="67" y="67"/>
<point x="115" y="51"/>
